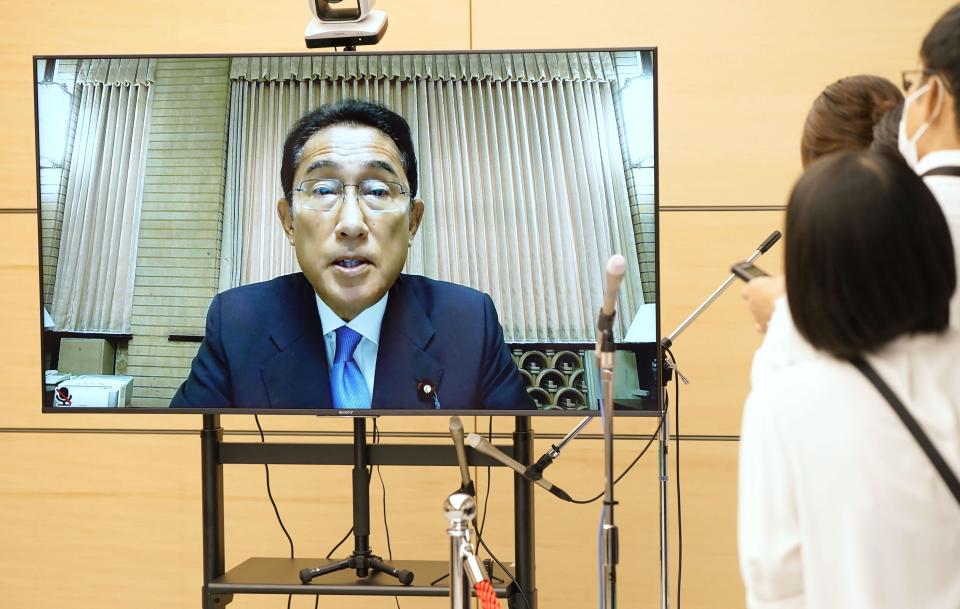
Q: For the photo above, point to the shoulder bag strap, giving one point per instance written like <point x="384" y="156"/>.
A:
<point x="942" y="468"/>
<point x="943" y="171"/>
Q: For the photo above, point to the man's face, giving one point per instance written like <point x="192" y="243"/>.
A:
<point x="350" y="255"/>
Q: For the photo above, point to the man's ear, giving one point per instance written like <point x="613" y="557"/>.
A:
<point x="416" y="216"/>
<point x="285" y="213"/>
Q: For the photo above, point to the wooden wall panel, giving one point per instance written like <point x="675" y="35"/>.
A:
<point x="736" y="78"/>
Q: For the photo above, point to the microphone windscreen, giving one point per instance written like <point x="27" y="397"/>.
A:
<point x="769" y="241"/>
<point x="617" y="265"/>
<point x="615" y="270"/>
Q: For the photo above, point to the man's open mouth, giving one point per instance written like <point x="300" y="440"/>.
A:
<point x="350" y="263"/>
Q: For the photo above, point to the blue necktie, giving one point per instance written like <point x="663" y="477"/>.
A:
<point x="347" y="386"/>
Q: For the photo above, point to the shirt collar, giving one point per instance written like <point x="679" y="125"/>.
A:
<point x="938" y="158"/>
<point x="367" y="323"/>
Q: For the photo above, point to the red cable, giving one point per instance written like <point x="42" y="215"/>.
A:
<point x="487" y="595"/>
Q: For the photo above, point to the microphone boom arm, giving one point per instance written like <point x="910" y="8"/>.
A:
<point x="667" y="342"/>
<point x="547" y="459"/>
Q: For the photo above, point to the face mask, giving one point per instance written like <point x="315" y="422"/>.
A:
<point x="908" y="145"/>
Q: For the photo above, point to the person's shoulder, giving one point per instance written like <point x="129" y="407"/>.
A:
<point x="946" y="190"/>
<point x="265" y="293"/>
<point x="929" y="358"/>
<point x="434" y="290"/>
<point x="802" y="384"/>
<point x="283" y="283"/>
<point x="787" y="402"/>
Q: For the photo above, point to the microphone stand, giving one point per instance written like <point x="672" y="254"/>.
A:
<point x="460" y="510"/>
<point x="606" y="352"/>
<point x="668" y="368"/>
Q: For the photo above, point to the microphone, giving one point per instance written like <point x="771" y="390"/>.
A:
<point x="616" y="267"/>
<point x="768" y="243"/>
<point x="456" y="432"/>
<point x="480" y="444"/>
<point x="427" y="389"/>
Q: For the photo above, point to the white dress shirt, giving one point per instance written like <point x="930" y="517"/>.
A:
<point x="838" y="505"/>
<point x="367" y="324"/>
<point x="947" y="191"/>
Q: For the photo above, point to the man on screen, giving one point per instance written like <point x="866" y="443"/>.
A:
<point x="351" y="331"/>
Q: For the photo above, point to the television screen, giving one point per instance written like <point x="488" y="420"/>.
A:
<point x="383" y="233"/>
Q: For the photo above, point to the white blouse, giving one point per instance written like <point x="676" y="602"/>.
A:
<point x="946" y="189"/>
<point x="838" y="505"/>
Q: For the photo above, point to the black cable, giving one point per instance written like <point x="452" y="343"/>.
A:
<point x="505" y="570"/>
<point x="266" y="469"/>
<point x="376" y="439"/>
<point x="276" y="511"/>
<point x="486" y="495"/>
<point x="676" y="426"/>
<point x="340" y="543"/>
<point x="653" y="437"/>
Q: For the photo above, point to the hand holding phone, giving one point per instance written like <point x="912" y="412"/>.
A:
<point x="761" y="295"/>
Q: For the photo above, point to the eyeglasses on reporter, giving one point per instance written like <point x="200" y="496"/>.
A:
<point x="910" y="77"/>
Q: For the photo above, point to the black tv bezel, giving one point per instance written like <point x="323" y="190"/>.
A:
<point x="328" y="412"/>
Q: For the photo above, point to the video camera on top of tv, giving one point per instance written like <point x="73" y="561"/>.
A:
<point x="344" y="23"/>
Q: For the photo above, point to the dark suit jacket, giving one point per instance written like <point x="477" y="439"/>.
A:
<point x="264" y="349"/>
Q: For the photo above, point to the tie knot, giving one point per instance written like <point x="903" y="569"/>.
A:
<point x="347" y="341"/>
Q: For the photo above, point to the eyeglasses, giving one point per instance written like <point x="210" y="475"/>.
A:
<point x="378" y="196"/>
<point x="910" y="77"/>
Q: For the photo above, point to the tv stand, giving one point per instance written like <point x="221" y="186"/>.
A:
<point x="281" y="575"/>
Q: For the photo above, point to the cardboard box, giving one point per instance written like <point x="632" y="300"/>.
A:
<point x="86" y="356"/>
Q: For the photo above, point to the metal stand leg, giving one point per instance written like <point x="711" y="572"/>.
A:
<point x="212" y="507"/>
<point x="523" y="514"/>
<point x="664" y="439"/>
<point x="362" y="559"/>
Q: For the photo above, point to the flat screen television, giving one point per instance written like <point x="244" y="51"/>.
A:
<point x="215" y="230"/>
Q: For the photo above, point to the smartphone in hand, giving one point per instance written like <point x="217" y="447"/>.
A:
<point x="747" y="271"/>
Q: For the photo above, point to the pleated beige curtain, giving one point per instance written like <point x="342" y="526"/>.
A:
<point x="523" y="180"/>
<point x="93" y="289"/>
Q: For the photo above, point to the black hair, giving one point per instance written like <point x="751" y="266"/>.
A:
<point x="886" y="132"/>
<point x="844" y="114"/>
<point x="355" y="112"/>
<point x="940" y="52"/>
<point x="868" y="254"/>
